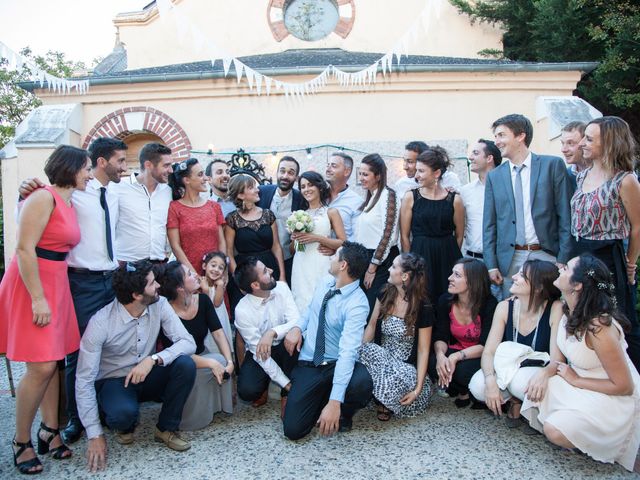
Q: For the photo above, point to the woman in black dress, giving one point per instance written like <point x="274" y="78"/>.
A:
<point x="252" y="231"/>
<point x="212" y="391"/>
<point x="432" y="221"/>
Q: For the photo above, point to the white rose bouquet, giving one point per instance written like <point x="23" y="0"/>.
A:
<point x="299" y="221"/>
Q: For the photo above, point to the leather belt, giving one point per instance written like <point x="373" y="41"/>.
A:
<point x="86" y="271"/>
<point x="306" y="363"/>
<point x="474" y="254"/>
<point x="530" y="247"/>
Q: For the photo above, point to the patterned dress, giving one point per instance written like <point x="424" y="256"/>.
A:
<point x="392" y="377"/>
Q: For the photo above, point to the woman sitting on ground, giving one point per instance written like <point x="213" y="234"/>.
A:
<point x="589" y="397"/>
<point x="464" y="319"/>
<point x="401" y="326"/>
<point x="530" y="317"/>
<point x="212" y="391"/>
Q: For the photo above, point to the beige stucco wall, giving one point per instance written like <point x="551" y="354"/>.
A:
<point x="241" y="28"/>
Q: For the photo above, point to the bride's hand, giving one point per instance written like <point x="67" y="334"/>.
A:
<point x="305" y="238"/>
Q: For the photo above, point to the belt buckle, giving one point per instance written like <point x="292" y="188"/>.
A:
<point x="323" y="364"/>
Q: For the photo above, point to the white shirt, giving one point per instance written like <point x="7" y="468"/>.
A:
<point x="347" y="202"/>
<point x="256" y="315"/>
<point x="377" y="229"/>
<point x="92" y="252"/>
<point x="529" y="230"/>
<point x="142" y="223"/>
<point x="403" y="185"/>
<point x="451" y="181"/>
<point x="472" y="195"/>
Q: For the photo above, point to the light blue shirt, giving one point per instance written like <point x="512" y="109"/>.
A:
<point x="346" y="317"/>
<point x="347" y="202"/>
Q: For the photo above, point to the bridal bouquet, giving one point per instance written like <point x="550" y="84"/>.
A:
<point x="299" y="221"/>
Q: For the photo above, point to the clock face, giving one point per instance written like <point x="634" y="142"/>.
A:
<point x="311" y="20"/>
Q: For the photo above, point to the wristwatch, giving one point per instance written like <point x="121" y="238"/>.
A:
<point x="155" y="359"/>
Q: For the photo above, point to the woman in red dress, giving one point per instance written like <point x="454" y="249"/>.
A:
<point x="37" y="320"/>
<point x="194" y="224"/>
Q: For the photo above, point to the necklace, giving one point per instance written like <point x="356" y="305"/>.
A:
<point x="516" y="323"/>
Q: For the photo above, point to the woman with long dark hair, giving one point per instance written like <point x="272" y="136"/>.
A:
<point x="309" y="265"/>
<point x="194" y="225"/>
<point x="377" y="224"/>
<point x="605" y="211"/>
<point x="432" y="220"/>
<point x="401" y="327"/>
<point x="590" y="397"/>
<point x="529" y="318"/>
<point x="212" y="391"/>
<point x="464" y="317"/>
<point x="38" y="323"/>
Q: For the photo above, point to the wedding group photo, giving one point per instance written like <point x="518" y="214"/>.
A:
<point x="320" y="238"/>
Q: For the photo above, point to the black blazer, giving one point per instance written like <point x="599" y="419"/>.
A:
<point x="442" y="329"/>
<point x="268" y="191"/>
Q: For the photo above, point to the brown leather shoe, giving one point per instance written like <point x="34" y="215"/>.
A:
<point x="124" y="438"/>
<point x="172" y="440"/>
<point x="261" y="400"/>
<point x="283" y="406"/>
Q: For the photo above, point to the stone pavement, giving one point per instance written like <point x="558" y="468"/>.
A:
<point x="444" y="443"/>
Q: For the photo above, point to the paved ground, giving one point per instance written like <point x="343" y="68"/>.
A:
<point x="445" y="443"/>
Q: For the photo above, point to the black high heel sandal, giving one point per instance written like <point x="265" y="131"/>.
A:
<point x="26" y="466"/>
<point x="44" y="446"/>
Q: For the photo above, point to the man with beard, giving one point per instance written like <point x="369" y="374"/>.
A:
<point x="263" y="317"/>
<point x="118" y="366"/>
<point x="93" y="260"/>
<point x="282" y="199"/>
<point x="218" y="173"/>
<point x="141" y="233"/>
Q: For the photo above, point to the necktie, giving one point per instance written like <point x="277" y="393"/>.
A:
<point x="107" y="220"/>
<point x="318" y="353"/>
<point x="520" y="236"/>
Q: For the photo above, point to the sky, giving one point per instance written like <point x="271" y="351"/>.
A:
<point x="82" y="29"/>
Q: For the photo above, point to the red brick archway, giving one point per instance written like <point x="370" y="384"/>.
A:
<point x="131" y="120"/>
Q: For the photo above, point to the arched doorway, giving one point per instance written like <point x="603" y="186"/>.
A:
<point x="132" y="124"/>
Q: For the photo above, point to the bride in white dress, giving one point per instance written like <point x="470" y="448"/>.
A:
<point x="311" y="265"/>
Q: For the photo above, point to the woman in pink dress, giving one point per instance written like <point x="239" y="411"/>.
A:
<point x="37" y="320"/>
<point x="194" y="224"/>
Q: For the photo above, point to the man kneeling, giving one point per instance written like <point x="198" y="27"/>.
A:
<point x="263" y="317"/>
<point x="117" y="366"/>
<point x="328" y="385"/>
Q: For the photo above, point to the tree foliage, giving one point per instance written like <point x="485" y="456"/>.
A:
<point x="16" y="103"/>
<point x="606" y="31"/>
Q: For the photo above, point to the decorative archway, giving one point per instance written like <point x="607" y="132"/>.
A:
<point x="132" y="120"/>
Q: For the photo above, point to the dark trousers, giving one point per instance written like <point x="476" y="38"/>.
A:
<point x="310" y="391"/>
<point x="252" y="379"/>
<point x="89" y="293"/>
<point x="465" y="369"/>
<point x="380" y="279"/>
<point x="288" y="266"/>
<point x="170" y="385"/>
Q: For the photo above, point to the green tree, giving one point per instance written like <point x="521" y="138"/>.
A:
<point x="606" y="31"/>
<point x="16" y="103"/>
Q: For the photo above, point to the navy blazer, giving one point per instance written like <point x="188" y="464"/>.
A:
<point x="268" y="191"/>
<point x="551" y="194"/>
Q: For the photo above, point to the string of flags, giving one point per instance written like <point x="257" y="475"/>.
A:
<point x="15" y="61"/>
<point x="364" y="77"/>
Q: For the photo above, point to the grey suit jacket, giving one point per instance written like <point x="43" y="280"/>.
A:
<point x="551" y="194"/>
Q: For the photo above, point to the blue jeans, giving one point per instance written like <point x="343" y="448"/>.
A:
<point x="169" y="384"/>
<point x="89" y="293"/>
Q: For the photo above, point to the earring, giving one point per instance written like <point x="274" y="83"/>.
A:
<point x="244" y="206"/>
<point x="404" y="286"/>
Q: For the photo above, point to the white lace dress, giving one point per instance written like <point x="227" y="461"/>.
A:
<point x="310" y="266"/>
<point x="605" y="427"/>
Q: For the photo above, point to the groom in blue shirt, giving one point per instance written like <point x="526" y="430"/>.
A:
<point x="328" y="386"/>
